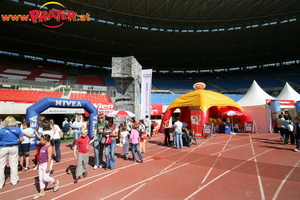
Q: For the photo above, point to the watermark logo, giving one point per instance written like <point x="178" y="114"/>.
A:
<point x="43" y="16"/>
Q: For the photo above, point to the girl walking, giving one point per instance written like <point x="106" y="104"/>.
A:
<point x="125" y="141"/>
<point x="134" y="137"/>
<point x="45" y="166"/>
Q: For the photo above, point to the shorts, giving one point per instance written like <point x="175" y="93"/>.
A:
<point x="24" y="149"/>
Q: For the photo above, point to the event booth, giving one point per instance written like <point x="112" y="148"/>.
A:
<point x="264" y="109"/>
<point x="255" y="104"/>
<point x="201" y="106"/>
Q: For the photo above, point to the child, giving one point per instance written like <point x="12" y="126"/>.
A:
<point x="83" y="154"/>
<point x="24" y="148"/>
<point x="125" y="141"/>
<point x="45" y="166"/>
<point x="134" y="137"/>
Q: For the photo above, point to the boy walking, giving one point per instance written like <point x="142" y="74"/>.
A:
<point x="82" y="156"/>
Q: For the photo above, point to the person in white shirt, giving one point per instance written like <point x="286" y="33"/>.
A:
<point x="178" y="133"/>
<point x="56" y="137"/>
<point x="77" y="127"/>
<point x="24" y="148"/>
<point x="147" y="123"/>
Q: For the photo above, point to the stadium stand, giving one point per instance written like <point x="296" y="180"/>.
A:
<point x="90" y="80"/>
<point x="104" y="98"/>
<point x="110" y="82"/>
<point x="168" y="85"/>
<point x="90" y="71"/>
<point x="28" y="96"/>
<point x="35" y="75"/>
<point x="50" y="67"/>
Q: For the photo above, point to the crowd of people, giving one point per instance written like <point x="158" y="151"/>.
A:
<point x="289" y="130"/>
<point x="130" y="135"/>
<point x="15" y="146"/>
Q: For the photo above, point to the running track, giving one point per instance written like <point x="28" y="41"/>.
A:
<point x="223" y="167"/>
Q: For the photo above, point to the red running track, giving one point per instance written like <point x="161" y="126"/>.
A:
<point x="223" y="167"/>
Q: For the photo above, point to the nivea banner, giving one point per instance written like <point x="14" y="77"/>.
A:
<point x="33" y="112"/>
<point x="297" y="105"/>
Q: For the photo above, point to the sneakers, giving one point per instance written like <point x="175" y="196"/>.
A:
<point x="100" y="166"/>
<point x="84" y="174"/>
<point x="39" y="195"/>
<point x="76" y="179"/>
<point x="296" y="150"/>
<point x="35" y="168"/>
<point x="95" y="166"/>
<point x="141" y="161"/>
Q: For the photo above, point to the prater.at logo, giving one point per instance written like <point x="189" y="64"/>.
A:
<point x="43" y="16"/>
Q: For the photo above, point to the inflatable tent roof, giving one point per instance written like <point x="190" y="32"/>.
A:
<point x="203" y="99"/>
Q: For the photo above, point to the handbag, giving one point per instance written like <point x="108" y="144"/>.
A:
<point x="106" y="140"/>
<point x="144" y="135"/>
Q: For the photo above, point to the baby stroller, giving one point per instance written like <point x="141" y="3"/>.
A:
<point x="188" y="138"/>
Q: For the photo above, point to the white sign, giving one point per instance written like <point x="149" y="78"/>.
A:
<point x="146" y="93"/>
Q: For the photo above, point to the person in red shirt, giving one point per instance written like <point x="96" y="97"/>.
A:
<point x="83" y="155"/>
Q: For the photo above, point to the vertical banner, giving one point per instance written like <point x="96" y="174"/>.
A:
<point x="275" y="111"/>
<point x="146" y="93"/>
<point x="197" y="122"/>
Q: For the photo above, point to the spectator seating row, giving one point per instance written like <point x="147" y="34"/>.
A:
<point x="50" y="67"/>
<point x="167" y="99"/>
<point x="90" y="80"/>
<point x="35" y="75"/>
<point x="90" y="71"/>
<point x="169" y="85"/>
<point x="29" y="96"/>
<point x="93" y="98"/>
<point x="246" y="83"/>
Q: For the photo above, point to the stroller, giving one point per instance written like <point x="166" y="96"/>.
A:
<point x="188" y="138"/>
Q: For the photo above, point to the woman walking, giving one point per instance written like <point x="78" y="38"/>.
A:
<point x="25" y="145"/>
<point x="57" y="139"/>
<point x="10" y="138"/>
<point x="110" y="131"/>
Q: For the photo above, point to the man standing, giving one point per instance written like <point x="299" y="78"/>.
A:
<point x="65" y="128"/>
<point x="77" y="127"/>
<point x="98" y="146"/>
<point x="178" y="133"/>
<point x="280" y="127"/>
<point x="147" y="123"/>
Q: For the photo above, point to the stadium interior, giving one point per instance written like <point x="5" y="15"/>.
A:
<point x="225" y="44"/>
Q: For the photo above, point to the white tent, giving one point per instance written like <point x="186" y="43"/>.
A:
<point x="288" y="93"/>
<point x="254" y="103"/>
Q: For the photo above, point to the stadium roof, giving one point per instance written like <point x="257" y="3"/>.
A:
<point x="161" y="34"/>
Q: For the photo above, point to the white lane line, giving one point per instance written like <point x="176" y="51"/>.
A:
<point x="85" y="185"/>
<point x="133" y="191"/>
<point x="261" y="188"/>
<point x="189" y="152"/>
<point x="183" y="165"/>
<point x="223" y="174"/>
<point x="148" y="179"/>
<point x="284" y="181"/>
<point x="211" y="168"/>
